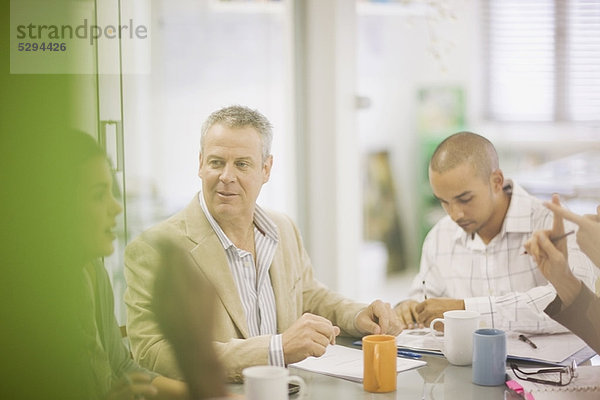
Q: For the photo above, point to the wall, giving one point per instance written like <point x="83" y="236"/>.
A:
<point x="397" y="56"/>
<point x="401" y="50"/>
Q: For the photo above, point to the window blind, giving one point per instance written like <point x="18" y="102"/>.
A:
<point x="543" y="60"/>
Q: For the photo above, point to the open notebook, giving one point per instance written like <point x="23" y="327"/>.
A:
<point x="346" y="363"/>
<point x="551" y="349"/>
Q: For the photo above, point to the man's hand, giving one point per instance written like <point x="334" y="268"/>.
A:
<point x="378" y="318"/>
<point x="430" y="309"/>
<point x="407" y="315"/>
<point x="308" y="336"/>
<point x="132" y="386"/>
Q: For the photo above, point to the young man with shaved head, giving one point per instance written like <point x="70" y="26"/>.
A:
<point x="473" y="258"/>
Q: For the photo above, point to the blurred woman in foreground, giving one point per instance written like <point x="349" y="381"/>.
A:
<point x="575" y="306"/>
<point x="114" y="375"/>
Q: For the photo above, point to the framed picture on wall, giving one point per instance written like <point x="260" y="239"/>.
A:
<point x="440" y="110"/>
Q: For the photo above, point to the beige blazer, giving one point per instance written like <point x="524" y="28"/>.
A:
<point x="296" y="292"/>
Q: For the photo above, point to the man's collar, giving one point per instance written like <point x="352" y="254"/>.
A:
<point x="518" y="216"/>
<point x="261" y="221"/>
<point x="215" y="225"/>
<point x="471" y="240"/>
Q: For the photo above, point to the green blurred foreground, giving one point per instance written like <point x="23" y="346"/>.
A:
<point x="43" y="357"/>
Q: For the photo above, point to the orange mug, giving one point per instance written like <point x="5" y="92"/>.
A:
<point x="379" y="356"/>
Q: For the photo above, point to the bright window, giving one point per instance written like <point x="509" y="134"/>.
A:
<point x="543" y="60"/>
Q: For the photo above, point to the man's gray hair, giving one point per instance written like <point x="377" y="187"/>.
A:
<point x="241" y="117"/>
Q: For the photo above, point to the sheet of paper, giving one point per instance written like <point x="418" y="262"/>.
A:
<point x="550" y="348"/>
<point x="554" y="348"/>
<point x="347" y="363"/>
<point x="421" y="339"/>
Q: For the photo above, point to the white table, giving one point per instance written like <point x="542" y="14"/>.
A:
<point x="437" y="380"/>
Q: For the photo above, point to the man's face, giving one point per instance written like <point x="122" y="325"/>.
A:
<point x="466" y="197"/>
<point x="232" y="171"/>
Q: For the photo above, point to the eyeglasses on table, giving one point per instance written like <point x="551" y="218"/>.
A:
<point x="555" y="376"/>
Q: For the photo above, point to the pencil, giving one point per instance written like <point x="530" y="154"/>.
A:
<point x="557" y="238"/>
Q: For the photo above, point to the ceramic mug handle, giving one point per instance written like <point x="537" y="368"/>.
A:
<point x="300" y="382"/>
<point x="433" y="331"/>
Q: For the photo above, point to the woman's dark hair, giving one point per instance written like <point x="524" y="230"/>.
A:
<point x="81" y="147"/>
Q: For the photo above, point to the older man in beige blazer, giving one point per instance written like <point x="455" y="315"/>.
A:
<point x="235" y="162"/>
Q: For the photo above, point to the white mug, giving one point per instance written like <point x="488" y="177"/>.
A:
<point x="459" y="326"/>
<point x="270" y="382"/>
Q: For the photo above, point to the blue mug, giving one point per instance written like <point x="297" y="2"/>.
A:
<point x="489" y="357"/>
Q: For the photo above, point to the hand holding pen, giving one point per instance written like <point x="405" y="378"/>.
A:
<point x="553" y="239"/>
<point x="588" y="234"/>
<point x="407" y="314"/>
<point x="552" y="257"/>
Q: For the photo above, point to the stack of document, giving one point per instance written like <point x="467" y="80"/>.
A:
<point x="551" y="349"/>
<point x="422" y="340"/>
<point x="344" y="362"/>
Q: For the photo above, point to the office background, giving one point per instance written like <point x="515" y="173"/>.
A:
<point x="359" y="93"/>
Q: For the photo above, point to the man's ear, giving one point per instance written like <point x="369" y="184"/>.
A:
<point x="200" y="165"/>
<point x="267" y="165"/>
<point x="497" y="180"/>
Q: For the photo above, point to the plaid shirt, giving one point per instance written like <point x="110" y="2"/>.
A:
<point x="497" y="280"/>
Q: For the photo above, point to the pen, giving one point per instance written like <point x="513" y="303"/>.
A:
<point x="408" y="354"/>
<point x="557" y="238"/>
<point x="401" y="353"/>
<point x="525" y="339"/>
<point x="424" y="290"/>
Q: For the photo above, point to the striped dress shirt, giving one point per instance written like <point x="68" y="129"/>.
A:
<point x="500" y="282"/>
<point x="253" y="281"/>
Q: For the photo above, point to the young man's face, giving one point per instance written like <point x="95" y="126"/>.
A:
<point x="232" y="171"/>
<point x="467" y="198"/>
